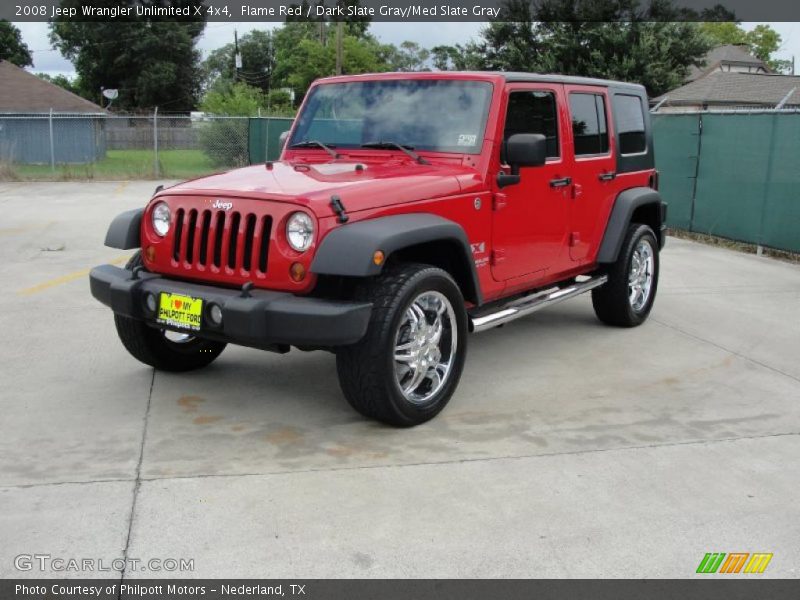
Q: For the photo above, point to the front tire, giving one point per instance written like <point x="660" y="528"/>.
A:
<point x="163" y="350"/>
<point x="627" y="297"/>
<point x="406" y="368"/>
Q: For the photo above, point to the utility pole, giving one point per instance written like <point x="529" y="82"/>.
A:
<point x="339" y="48"/>
<point x="237" y="57"/>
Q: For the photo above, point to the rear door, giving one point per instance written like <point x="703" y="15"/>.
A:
<point x="594" y="167"/>
<point x="530" y="220"/>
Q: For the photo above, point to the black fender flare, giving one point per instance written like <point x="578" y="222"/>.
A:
<point x="348" y="250"/>
<point x="123" y="233"/>
<point x="624" y="206"/>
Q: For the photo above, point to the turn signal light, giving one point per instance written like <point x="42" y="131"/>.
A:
<point x="150" y="253"/>
<point x="378" y="257"/>
<point x="297" y="272"/>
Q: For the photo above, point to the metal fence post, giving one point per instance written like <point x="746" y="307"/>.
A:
<point x="52" y="143"/>
<point x="155" y="142"/>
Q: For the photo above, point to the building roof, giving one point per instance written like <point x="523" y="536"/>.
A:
<point x="746" y="89"/>
<point x="729" y="54"/>
<point x="23" y="92"/>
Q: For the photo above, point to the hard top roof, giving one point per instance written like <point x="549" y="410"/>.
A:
<point x="508" y="76"/>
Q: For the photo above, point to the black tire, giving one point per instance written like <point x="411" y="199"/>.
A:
<point x="150" y="345"/>
<point x="367" y="369"/>
<point x="612" y="303"/>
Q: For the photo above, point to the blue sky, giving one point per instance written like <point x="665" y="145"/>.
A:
<point x="426" y="34"/>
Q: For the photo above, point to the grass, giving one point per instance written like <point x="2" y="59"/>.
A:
<point x="119" y="164"/>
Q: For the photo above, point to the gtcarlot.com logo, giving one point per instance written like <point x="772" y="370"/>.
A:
<point x="734" y="562"/>
<point x="47" y="562"/>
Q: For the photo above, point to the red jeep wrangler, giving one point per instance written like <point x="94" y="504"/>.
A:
<point x="406" y="211"/>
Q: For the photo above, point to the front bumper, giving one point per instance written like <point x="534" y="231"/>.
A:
<point x="263" y="319"/>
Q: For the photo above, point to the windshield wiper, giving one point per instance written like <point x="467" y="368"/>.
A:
<point x="314" y="143"/>
<point x="409" y="150"/>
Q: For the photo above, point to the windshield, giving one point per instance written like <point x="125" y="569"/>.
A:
<point x="439" y="115"/>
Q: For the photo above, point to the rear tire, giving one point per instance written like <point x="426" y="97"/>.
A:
<point x="152" y="347"/>
<point x="628" y="296"/>
<point x="406" y="368"/>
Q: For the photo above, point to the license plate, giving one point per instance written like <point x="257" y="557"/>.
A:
<point x="180" y="311"/>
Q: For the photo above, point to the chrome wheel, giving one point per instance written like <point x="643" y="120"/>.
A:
<point x="425" y="347"/>
<point x="640" y="278"/>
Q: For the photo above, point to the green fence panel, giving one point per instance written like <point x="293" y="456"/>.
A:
<point x="731" y="180"/>
<point x="780" y="226"/>
<point x="263" y="141"/>
<point x="676" y="138"/>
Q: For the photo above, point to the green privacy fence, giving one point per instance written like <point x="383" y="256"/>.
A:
<point x="735" y="175"/>
<point x="263" y="137"/>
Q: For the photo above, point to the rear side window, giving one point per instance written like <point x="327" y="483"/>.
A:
<point x="533" y="112"/>
<point x="589" y="127"/>
<point x="630" y="124"/>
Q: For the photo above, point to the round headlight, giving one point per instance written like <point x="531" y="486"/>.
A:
<point x="300" y="231"/>
<point x="161" y="218"/>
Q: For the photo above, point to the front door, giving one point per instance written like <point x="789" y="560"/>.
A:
<point x="530" y="221"/>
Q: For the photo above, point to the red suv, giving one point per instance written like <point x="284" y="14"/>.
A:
<point x="406" y="211"/>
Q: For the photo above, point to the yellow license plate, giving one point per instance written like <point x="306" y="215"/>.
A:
<point x="180" y="311"/>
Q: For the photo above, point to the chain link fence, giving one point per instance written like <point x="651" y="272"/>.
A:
<point x="98" y="146"/>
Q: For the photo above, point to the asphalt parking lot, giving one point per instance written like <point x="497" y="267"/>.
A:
<point x="570" y="449"/>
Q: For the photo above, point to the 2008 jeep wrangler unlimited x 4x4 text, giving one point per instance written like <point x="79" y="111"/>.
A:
<point x="406" y="211"/>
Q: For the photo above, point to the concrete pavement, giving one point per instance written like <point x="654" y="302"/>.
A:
<point x="570" y="449"/>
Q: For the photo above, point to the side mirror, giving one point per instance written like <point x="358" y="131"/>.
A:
<point x="282" y="139"/>
<point x="523" y="150"/>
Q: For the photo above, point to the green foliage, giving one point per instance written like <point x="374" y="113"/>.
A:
<point x="279" y="103"/>
<point x="224" y="141"/>
<point x="233" y="99"/>
<point x="409" y="56"/>
<point x="310" y="59"/>
<point x="62" y="81"/>
<point x="258" y="61"/>
<point x="613" y="39"/>
<point x="151" y="61"/>
<point x="762" y="41"/>
<point x="12" y="48"/>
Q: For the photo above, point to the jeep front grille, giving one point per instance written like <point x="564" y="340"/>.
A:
<point x="235" y="241"/>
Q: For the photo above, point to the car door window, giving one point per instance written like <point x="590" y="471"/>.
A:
<point x="533" y="112"/>
<point x="630" y="124"/>
<point x="589" y="127"/>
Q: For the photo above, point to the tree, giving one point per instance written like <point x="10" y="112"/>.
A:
<point x="409" y="56"/>
<point x="762" y="41"/>
<point x="152" y="61"/>
<point x="61" y="81"/>
<point x="225" y="140"/>
<point x="12" y="48"/>
<point x="306" y="50"/>
<point x="257" y="49"/>
<point x="312" y="59"/>
<point x="615" y="39"/>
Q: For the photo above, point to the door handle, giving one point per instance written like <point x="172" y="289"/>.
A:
<point x="563" y="182"/>
<point x="607" y="176"/>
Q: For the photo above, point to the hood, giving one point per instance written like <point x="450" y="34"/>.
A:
<point x="359" y="185"/>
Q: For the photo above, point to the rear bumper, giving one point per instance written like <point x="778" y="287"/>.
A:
<point x="264" y="319"/>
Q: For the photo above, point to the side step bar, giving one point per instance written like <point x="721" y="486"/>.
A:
<point x="530" y="304"/>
